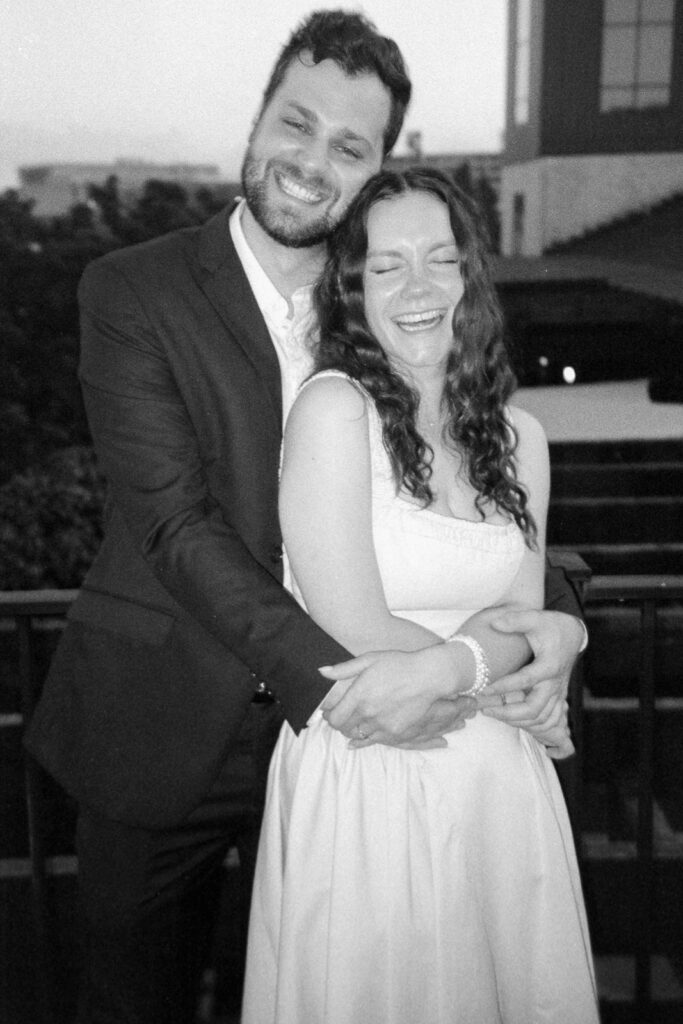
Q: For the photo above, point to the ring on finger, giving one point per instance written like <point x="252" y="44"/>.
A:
<point x="503" y="699"/>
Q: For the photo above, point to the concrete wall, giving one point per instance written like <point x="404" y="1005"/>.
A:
<point x="566" y="196"/>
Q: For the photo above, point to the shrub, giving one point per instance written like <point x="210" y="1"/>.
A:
<point x="51" y="521"/>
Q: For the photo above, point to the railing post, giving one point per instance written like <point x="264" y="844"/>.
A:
<point x="32" y="785"/>
<point x="645" y="833"/>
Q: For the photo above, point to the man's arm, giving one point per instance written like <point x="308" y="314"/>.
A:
<point x="556" y="636"/>
<point x="561" y="595"/>
<point x="149" y="451"/>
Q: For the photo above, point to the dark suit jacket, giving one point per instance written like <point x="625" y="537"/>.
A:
<point x="183" y="610"/>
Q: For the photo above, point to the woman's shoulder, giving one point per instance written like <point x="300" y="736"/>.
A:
<point x="332" y="394"/>
<point x="529" y="429"/>
<point x="531" y="454"/>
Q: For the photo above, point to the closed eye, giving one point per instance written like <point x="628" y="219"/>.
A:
<point x="383" y="270"/>
<point x="298" y="126"/>
<point x="348" y="151"/>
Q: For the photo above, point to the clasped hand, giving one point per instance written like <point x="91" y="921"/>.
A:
<point x="536" y="695"/>
<point x="395" y="698"/>
<point x="405" y="699"/>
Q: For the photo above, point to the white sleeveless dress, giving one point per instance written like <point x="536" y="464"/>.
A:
<point x="419" y="887"/>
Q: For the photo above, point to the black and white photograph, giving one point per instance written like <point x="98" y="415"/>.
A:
<point x="341" y="512"/>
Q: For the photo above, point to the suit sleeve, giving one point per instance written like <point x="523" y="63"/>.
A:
<point x="148" y="450"/>
<point x="561" y="595"/>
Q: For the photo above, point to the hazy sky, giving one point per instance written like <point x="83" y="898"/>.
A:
<point x="182" y="79"/>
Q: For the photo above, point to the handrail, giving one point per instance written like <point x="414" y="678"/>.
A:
<point x="35" y="602"/>
<point x="23" y="607"/>
<point x="634" y="588"/>
<point x="648" y="592"/>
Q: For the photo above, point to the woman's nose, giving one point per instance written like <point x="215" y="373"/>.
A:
<point x="416" y="282"/>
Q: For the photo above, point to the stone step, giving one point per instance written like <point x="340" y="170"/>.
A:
<point x="582" y="521"/>
<point x="629" y="559"/>
<point x="628" y="479"/>
<point x="605" y="452"/>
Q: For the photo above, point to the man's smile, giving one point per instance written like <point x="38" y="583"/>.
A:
<point x="295" y="190"/>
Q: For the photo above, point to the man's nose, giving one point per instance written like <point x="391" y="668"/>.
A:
<point x="313" y="155"/>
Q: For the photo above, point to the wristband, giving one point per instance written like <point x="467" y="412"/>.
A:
<point x="482" y="675"/>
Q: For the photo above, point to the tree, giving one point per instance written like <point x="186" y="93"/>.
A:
<point x="40" y="265"/>
<point x="51" y="521"/>
<point x="162" y="207"/>
<point x="50" y="493"/>
<point x="108" y="201"/>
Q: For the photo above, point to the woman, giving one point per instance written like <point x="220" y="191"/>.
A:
<point x="437" y="885"/>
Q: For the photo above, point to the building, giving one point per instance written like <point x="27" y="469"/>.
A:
<point x="594" y="116"/>
<point x="55" y="188"/>
<point x="591" y="198"/>
<point x="481" y="166"/>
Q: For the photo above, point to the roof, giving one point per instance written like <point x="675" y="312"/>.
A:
<point x="641" y="252"/>
<point x="643" y="278"/>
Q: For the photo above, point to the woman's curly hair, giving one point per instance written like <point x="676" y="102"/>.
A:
<point x="479" y="379"/>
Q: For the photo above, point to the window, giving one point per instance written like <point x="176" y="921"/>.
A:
<point x="518" y="218"/>
<point x="522" y="46"/>
<point x="637" y="44"/>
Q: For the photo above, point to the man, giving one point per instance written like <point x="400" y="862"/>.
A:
<point x="192" y="348"/>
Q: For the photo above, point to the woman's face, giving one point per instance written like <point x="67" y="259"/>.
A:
<point x="412" y="281"/>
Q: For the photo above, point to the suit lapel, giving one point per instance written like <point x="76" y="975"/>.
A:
<point x="225" y="285"/>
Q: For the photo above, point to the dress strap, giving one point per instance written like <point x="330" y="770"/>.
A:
<point x="336" y="373"/>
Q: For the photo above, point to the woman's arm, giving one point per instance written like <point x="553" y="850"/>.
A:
<point x="325" y="509"/>
<point x="326" y="520"/>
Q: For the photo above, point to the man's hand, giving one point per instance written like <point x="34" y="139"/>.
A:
<point x="555" y="639"/>
<point x="395" y="698"/>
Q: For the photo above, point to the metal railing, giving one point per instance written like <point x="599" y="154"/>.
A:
<point x="31" y="612"/>
<point x="649" y="594"/>
<point x="24" y="609"/>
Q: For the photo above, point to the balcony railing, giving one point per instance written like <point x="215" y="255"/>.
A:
<point x="33" y="614"/>
<point x="649" y="596"/>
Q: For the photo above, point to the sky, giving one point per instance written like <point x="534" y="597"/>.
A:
<point x="181" y="80"/>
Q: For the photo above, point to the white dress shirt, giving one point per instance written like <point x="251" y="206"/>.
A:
<point x="292" y="334"/>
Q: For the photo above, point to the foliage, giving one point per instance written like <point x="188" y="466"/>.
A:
<point x="50" y="493"/>
<point x="51" y="521"/>
<point x="41" y="263"/>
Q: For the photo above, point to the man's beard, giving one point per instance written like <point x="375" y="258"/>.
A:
<point x="280" y="225"/>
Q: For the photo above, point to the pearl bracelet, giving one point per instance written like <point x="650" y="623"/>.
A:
<point x="482" y="675"/>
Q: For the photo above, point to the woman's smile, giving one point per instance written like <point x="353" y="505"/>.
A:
<point x="423" y="321"/>
<point x="412" y="281"/>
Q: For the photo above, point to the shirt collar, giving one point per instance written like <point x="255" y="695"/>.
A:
<point x="273" y="305"/>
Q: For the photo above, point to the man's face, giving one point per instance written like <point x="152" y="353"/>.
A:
<point x="315" y="145"/>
